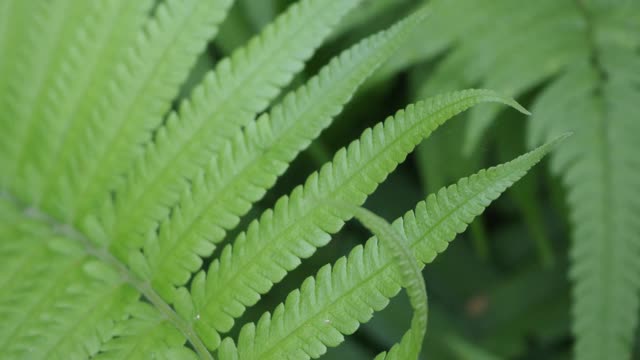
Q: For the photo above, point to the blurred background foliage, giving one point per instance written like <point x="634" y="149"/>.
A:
<point x="501" y="291"/>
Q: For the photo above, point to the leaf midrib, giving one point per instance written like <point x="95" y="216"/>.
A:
<point x="281" y="127"/>
<point x="104" y="154"/>
<point x="607" y="274"/>
<point x="144" y="288"/>
<point x="196" y="132"/>
<point x="388" y="263"/>
<point x="252" y="262"/>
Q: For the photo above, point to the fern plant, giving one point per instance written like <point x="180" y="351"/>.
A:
<point x="579" y="60"/>
<point x="112" y="198"/>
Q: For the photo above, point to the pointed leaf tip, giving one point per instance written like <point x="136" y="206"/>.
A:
<point x="557" y="140"/>
<point x="501" y="98"/>
<point x="516" y="105"/>
<point x="564" y="136"/>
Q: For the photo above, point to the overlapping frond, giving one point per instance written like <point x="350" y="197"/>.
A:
<point x="35" y="56"/>
<point x="592" y="59"/>
<point x="228" y="99"/>
<point x="497" y="44"/>
<point x="341" y="297"/>
<point x="254" y="158"/>
<point x="53" y="293"/>
<point x="134" y="102"/>
<point x="596" y="99"/>
<point x="91" y="53"/>
<point x="6" y="10"/>
<point x="301" y="222"/>
<point x="535" y="40"/>
<point x="107" y="201"/>
<point x="15" y="18"/>
<point x="411" y="279"/>
<point x="600" y="167"/>
<point x="418" y="48"/>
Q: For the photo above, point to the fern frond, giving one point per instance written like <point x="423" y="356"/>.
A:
<point x="62" y="299"/>
<point x="498" y="44"/>
<point x="590" y="99"/>
<point x="341" y="297"/>
<point x="369" y="12"/>
<point x="37" y="58"/>
<point x="416" y="49"/>
<point x="15" y="16"/>
<point x="135" y="101"/>
<point x="83" y="294"/>
<point x="510" y="66"/>
<point x="252" y="161"/>
<point x="301" y="222"/>
<point x="91" y="52"/>
<point x="600" y="167"/>
<point x="524" y="58"/>
<point x="23" y="234"/>
<point x="228" y="99"/>
<point x="6" y="10"/>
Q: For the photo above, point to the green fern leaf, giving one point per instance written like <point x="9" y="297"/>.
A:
<point x="39" y="55"/>
<point x="498" y="44"/>
<point x="596" y="99"/>
<point x="98" y="42"/>
<point x="133" y="106"/>
<point x="342" y="296"/>
<point x="301" y="223"/>
<point x="257" y="155"/>
<point x="601" y="183"/>
<point x="63" y="299"/>
<point x="76" y="297"/>
<point x="591" y="60"/>
<point x="15" y="18"/>
<point x="544" y="54"/>
<point x="109" y="199"/>
<point x="228" y="99"/>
